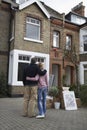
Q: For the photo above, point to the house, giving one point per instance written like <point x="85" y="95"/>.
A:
<point x="77" y="16"/>
<point x="37" y="30"/>
<point x="7" y="10"/>
<point x="83" y="54"/>
<point x="30" y="38"/>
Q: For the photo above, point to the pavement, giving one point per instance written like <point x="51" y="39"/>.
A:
<point x="11" y="118"/>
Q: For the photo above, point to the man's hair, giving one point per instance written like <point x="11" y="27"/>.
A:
<point x="33" y="60"/>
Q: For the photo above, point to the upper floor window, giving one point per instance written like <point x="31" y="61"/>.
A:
<point x="77" y="19"/>
<point x="85" y="42"/>
<point x="68" y="42"/>
<point x="32" y="28"/>
<point x="55" y="39"/>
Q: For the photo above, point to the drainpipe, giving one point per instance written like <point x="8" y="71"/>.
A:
<point x="63" y="19"/>
<point x="9" y="43"/>
<point x="9" y="48"/>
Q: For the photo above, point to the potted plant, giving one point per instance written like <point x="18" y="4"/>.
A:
<point x="53" y="92"/>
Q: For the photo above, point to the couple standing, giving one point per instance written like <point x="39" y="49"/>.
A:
<point x="35" y="81"/>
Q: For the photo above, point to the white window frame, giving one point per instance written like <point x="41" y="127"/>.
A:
<point x="85" y="69"/>
<point x="81" y="72"/>
<point x="77" y="19"/>
<point x="84" y="41"/>
<point x="32" y="22"/>
<point x="14" y="60"/>
<point x="56" y="36"/>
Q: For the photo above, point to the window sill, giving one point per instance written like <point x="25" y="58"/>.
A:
<point x="28" y="39"/>
<point x="83" y="52"/>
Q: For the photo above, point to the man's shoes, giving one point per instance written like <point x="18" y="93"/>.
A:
<point x="40" y="116"/>
<point x="24" y="115"/>
<point x="32" y="116"/>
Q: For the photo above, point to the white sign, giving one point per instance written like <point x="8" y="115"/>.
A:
<point x="69" y="100"/>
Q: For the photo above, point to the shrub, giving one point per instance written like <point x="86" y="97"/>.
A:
<point x="75" y="89"/>
<point x="53" y="91"/>
<point x="83" y="94"/>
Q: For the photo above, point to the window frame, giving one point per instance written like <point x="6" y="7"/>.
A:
<point x="85" y="71"/>
<point x="32" y="23"/>
<point x="84" y="43"/>
<point x="17" y="57"/>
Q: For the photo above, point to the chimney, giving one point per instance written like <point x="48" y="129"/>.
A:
<point x="79" y="9"/>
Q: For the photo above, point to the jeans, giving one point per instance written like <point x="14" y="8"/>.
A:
<point x="42" y="92"/>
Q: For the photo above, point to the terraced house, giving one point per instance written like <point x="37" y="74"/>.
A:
<point x="37" y="30"/>
<point x="7" y="11"/>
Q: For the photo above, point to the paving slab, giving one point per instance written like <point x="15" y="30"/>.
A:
<point x="11" y="118"/>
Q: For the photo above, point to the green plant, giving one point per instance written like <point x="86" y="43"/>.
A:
<point x="53" y="91"/>
<point x="3" y="85"/>
<point x="83" y="94"/>
<point x="64" y="80"/>
<point x="75" y="89"/>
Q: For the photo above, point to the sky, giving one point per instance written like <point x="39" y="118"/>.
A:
<point x="65" y="6"/>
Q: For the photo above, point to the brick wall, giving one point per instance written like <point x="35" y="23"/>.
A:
<point x="20" y="25"/>
<point x="4" y="35"/>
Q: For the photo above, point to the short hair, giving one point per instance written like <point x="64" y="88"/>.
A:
<point x="33" y="60"/>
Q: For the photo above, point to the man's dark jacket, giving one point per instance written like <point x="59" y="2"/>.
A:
<point x="32" y="70"/>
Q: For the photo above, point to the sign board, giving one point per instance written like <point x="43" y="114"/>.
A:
<point x="69" y="100"/>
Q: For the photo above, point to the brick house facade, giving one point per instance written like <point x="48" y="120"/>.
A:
<point x="25" y="43"/>
<point x="5" y="19"/>
<point x="57" y="60"/>
<point x="78" y="14"/>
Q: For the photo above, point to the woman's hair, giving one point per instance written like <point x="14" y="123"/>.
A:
<point x="41" y="66"/>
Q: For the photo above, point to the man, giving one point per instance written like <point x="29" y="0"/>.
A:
<point x="30" y="90"/>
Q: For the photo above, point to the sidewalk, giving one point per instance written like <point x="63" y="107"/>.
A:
<point x="11" y="119"/>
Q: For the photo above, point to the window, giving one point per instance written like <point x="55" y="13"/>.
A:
<point x="39" y="59"/>
<point x="23" y="61"/>
<point x="32" y="28"/>
<point x="77" y="19"/>
<point x="85" y="42"/>
<point x="56" y="39"/>
<point x="19" y="60"/>
<point x="68" y="42"/>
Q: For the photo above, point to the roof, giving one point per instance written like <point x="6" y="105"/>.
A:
<point x="30" y="2"/>
<point x="49" y="12"/>
<point x="70" y="13"/>
<point x="52" y="12"/>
